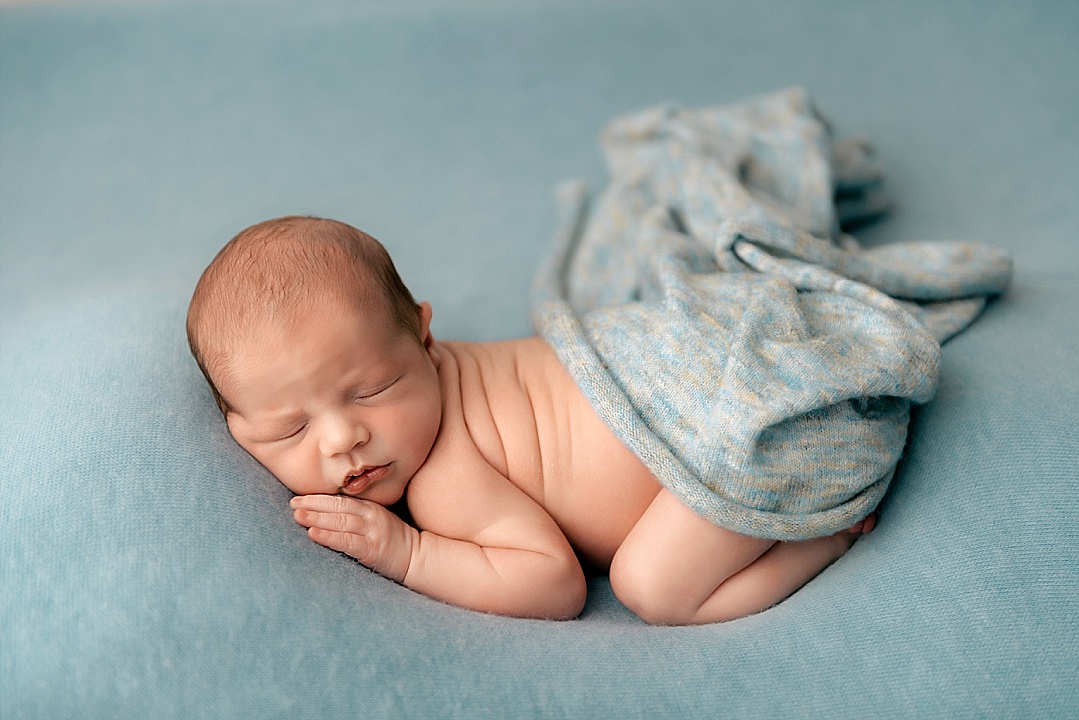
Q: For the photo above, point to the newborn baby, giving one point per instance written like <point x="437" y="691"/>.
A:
<point x="327" y="373"/>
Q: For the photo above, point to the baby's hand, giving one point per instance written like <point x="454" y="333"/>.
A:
<point x="359" y="528"/>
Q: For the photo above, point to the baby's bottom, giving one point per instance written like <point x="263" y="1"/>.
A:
<point x="676" y="568"/>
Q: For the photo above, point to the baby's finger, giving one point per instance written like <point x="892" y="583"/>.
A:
<point x="360" y="547"/>
<point x="336" y="521"/>
<point x="349" y="543"/>
<point x="329" y="503"/>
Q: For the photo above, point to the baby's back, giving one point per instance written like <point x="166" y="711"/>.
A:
<point x="530" y="422"/>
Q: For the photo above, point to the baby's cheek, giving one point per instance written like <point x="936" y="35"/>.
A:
<point x="291" y="474"/>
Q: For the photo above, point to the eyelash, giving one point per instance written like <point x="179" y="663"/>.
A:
<point x="376" y="393"/>
<point x="293" y="434"/>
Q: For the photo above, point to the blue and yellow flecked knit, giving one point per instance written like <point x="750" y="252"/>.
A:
<point x="759" y="361"/>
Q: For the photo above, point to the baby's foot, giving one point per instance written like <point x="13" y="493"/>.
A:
<point x="865" y="525"/>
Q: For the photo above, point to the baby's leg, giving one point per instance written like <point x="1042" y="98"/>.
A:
<point x="677" y="568"/>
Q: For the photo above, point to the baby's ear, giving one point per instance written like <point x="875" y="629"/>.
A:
<point x="424" y="309"/>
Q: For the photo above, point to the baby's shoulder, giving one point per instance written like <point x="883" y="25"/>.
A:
<point x="451" y="492"/>
<point x="498" y="356"/>
<point x="500" y="369"/>
<point x="455" y="455"/>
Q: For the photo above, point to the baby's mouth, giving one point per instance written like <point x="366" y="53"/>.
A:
<point x="357" y="482"/>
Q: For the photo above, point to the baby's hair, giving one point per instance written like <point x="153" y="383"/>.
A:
<point x="274" y="270"/>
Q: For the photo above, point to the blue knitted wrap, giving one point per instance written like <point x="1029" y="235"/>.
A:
<point x="757" y="359"/>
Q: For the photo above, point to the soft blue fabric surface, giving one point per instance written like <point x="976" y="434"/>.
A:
<point x="149" y="568"/>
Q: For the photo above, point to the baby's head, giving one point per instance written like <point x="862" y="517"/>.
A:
<point x="318" y="356"/>
<point x="276" y="272"/>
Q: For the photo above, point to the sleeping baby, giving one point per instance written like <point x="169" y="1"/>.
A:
<point x="327" y="373"/>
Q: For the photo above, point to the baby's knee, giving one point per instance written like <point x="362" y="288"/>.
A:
<point x="646" y="591"/>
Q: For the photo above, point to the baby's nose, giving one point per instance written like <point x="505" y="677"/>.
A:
<point x="343" y="435"/>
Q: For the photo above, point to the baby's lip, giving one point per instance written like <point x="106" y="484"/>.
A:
<point x="357" y="481"/>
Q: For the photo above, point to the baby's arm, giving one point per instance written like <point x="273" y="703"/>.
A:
<point x="486" y="545"/>
<point x="490" y="547"/>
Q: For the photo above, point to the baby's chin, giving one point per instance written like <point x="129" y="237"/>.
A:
<point x="387" y="497"/>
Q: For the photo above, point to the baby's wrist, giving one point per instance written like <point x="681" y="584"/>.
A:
<point x="412" y="562"/>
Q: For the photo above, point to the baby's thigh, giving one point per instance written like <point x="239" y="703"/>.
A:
<point x="673" y="560"/>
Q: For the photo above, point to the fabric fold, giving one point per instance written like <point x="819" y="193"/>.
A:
<point x="714" y="311"/>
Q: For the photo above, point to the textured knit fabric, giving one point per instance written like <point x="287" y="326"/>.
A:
<point x="746" y="349"/>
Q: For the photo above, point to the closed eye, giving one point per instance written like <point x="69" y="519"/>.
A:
<point x="292" y="433"/>
<point x="370" y="394"/>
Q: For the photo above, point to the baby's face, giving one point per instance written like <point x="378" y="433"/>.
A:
<point x="345" y="403"/>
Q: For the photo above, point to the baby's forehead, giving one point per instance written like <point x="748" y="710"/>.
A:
<point x="265" y="328"/>
<point x="265" y="338"/>
<point x="235" y="349"/>
<point x="286" y="319"/>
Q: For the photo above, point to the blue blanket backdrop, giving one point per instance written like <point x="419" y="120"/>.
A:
<point x="149" y="568"/>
